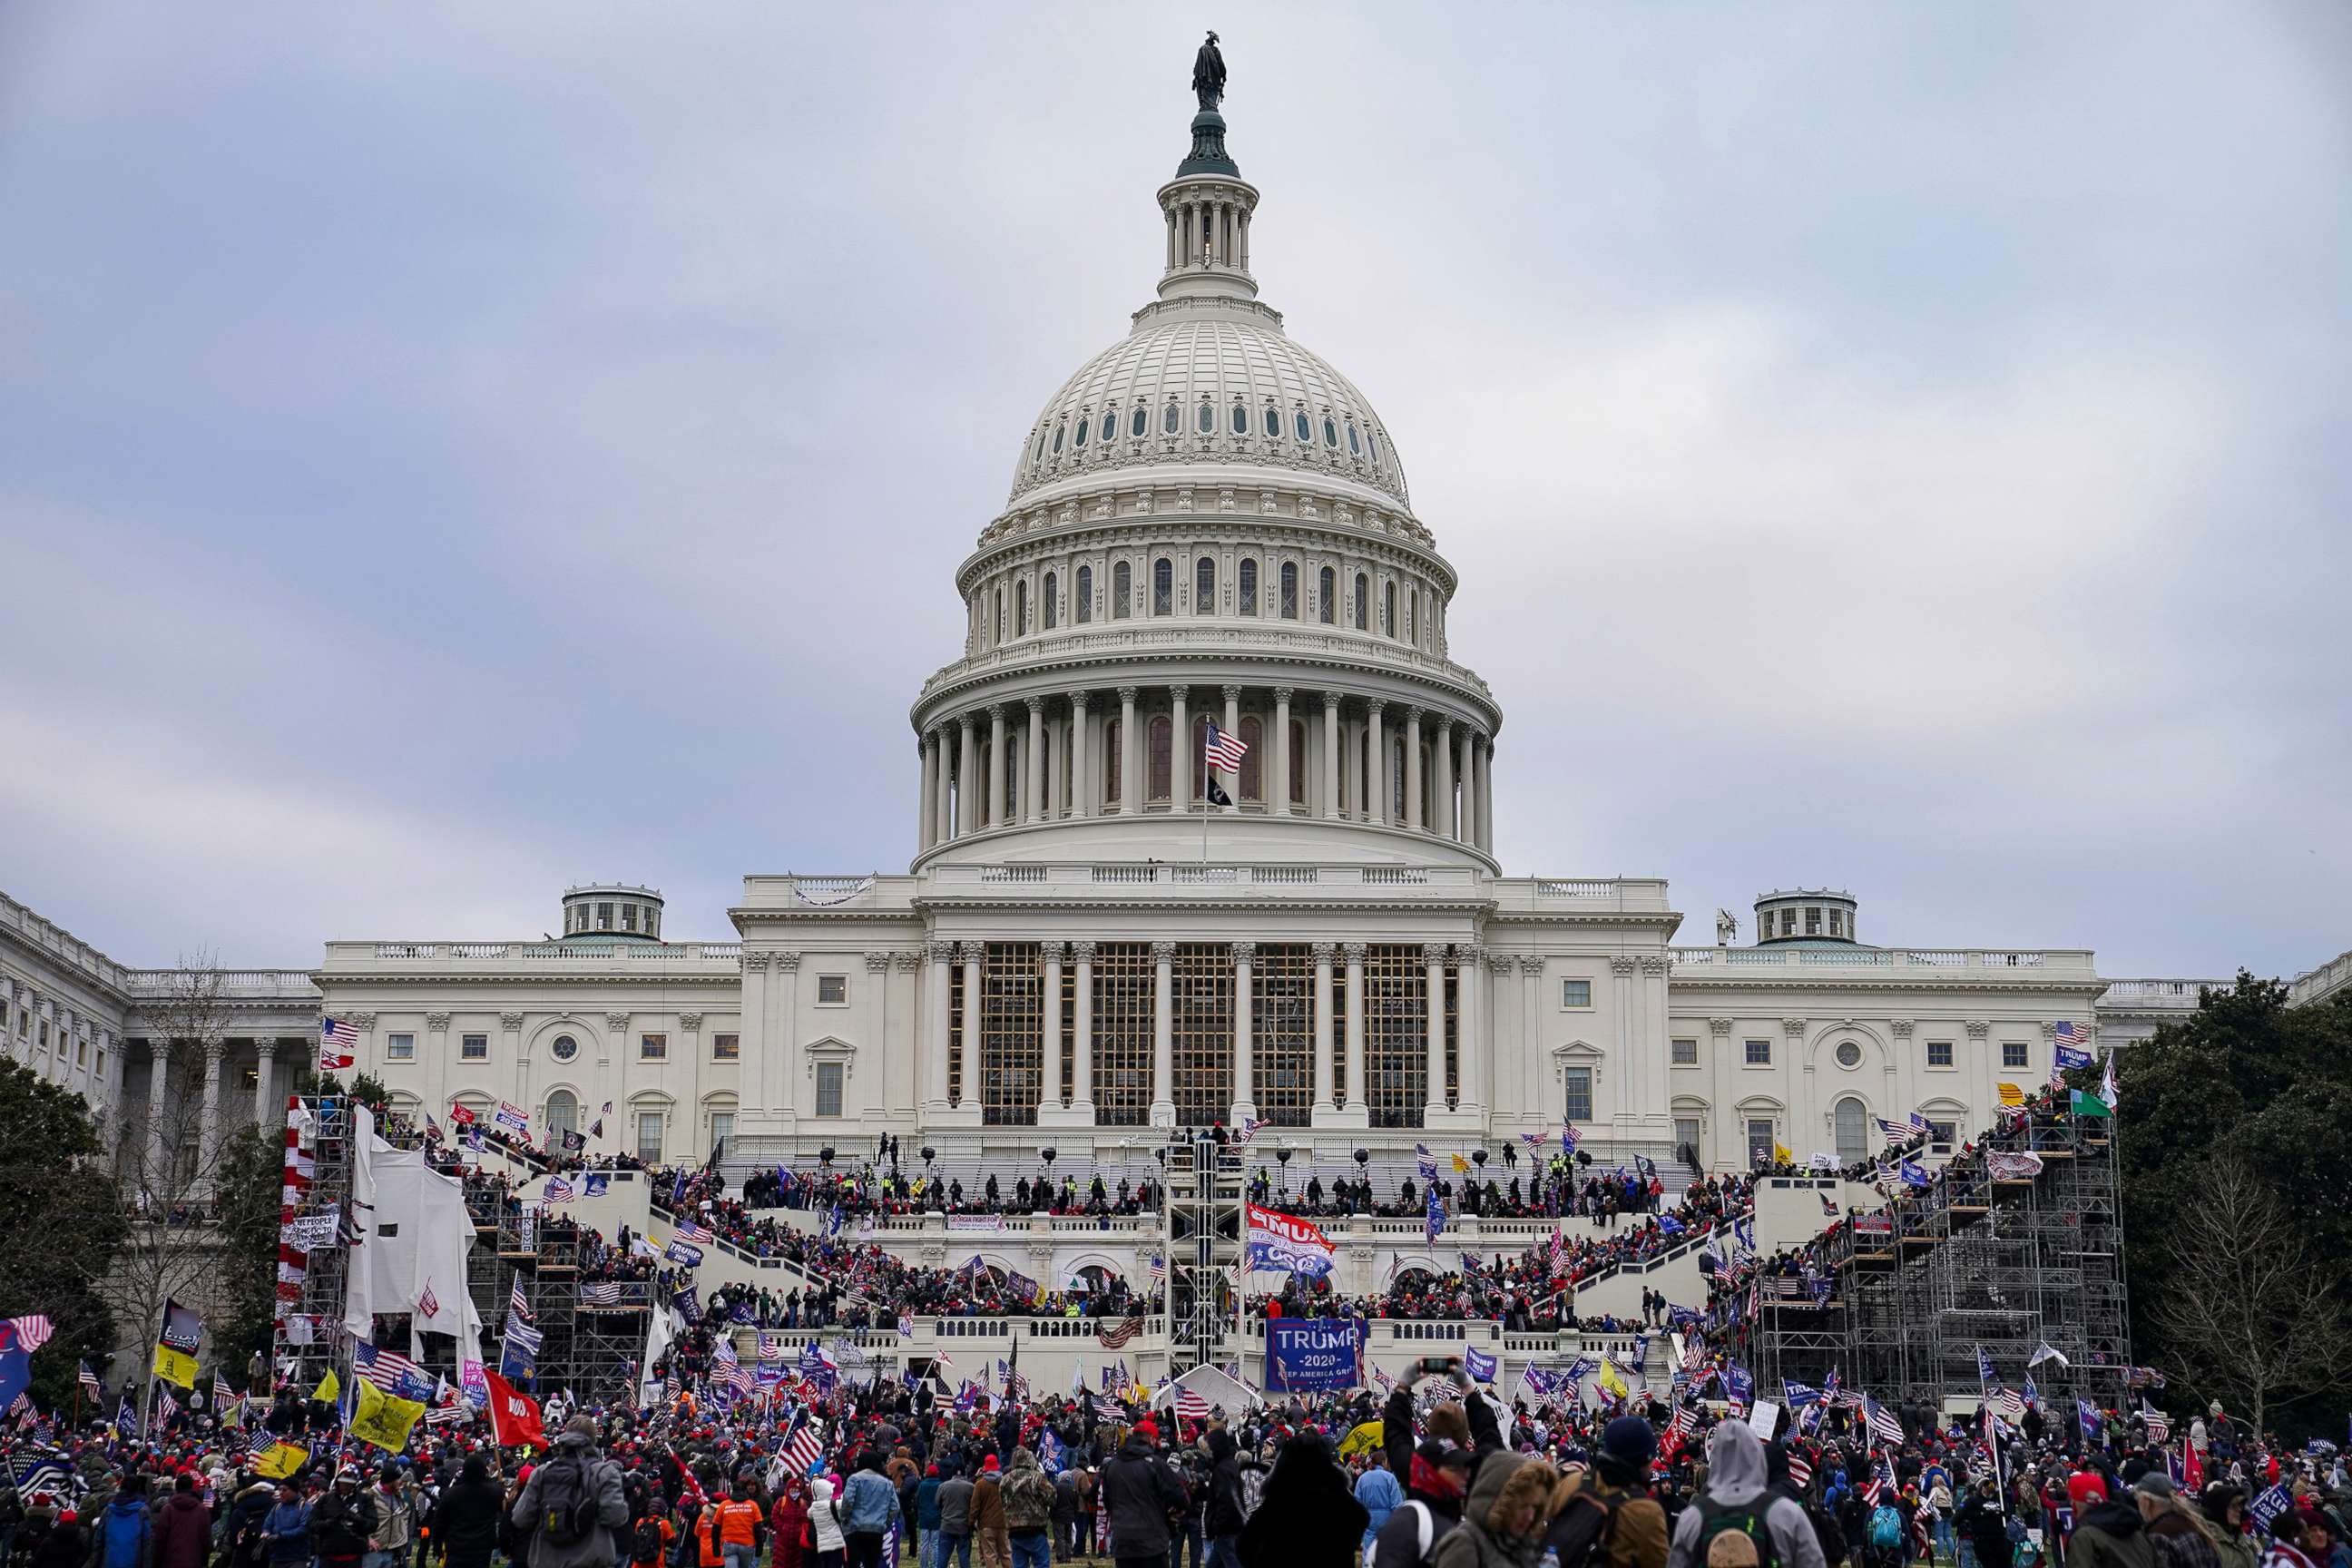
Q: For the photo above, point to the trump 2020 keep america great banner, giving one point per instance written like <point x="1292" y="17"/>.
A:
<point x="1311" y="1355"/>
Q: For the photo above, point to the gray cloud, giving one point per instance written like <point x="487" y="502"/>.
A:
<point x="447" y="452"/>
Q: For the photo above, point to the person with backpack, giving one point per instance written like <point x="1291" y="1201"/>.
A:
<point x="1503" y="1517"/>
<point x="1736" y="1497"/>
<point x="573" y="1504"/>
<point x="1309" y="1519"/>
<point x="1028" y="1512"/>
<point x="125" y="1529"/>
<point x="1883" y="1533"/>
<point x="1984" y="1529"/>
<point x="1606" y="1517"/>
<point x="1438" y="1482"/>
<point x="651" y="1537"/>
<point x="466" y="1520"/>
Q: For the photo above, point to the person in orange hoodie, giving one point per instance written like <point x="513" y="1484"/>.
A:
<point x="742" y="1527"/>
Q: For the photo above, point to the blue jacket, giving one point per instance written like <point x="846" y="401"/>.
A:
<point x="123" y="1533"/>
<point x="1378" y="1490"/>
<point x="867" y="1503"/>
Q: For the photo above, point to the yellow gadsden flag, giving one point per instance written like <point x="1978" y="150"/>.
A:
<point x="1361" y="1439"/>
<point x="281" y="1460"/>
<point x="176" y="1366"/>
<point x="1783" y="1154"/>
<point x="2010" y="1095"/>
<point x="1460" y="1164"/>
<point x="383" y="1418"/>
<point x="330" y="1389"/>
<point x="1610" y="1381"/>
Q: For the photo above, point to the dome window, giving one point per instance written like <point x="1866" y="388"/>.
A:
<point x="1084" y="424"/>
<point x="1109" y="424"/>
<point x="1289" y="600"/>
<point x="1204" y="585"/>
<point x="1207" y="420"/>
<point x="1163" y="587"/>
<point x="1142" y="423"/>
<point x="1363" y="602"/>
<point x="1330" y="432"/>
<point x="1372" y="446"/>
<point x="1246" y="583"/>
<point x="1020" y="609"/>
<point x="1037" y="454"/>
<point x="1240" y="420"/>
<point x="1057" y="439"/>
<point x="1082" y="602"/>
<point x="1304" y="431"/>
<point x="1272" y="424"/>
<point x="1119" y="574"/>
<point x="1353" y="445"/>
<point x="1327" y="609"/>
<point x="1170" y="421"/>
<point x="1049" y="610"/>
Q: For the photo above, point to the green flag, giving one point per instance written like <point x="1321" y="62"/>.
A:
<point x="2090" y="1105"/>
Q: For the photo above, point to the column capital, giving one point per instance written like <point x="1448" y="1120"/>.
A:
<point x="1444" y="725"/>
<point x="972" y="952"/>
<point x="968" y="721"/>
<point x="1532" y="963"/>
<point x="940" y="952"/>
<point x="907" y="959"/>
<point x="1082" y="952"/>
<point x="1078" y="701"/>
<point x="1902" y="1027"/>
<point x="1719" y="1028"/>
<point x="437" y="1023"/>
<point x="877" y="961"/>
<point x="788" y="961"/>
<point x="1282" y="693"/>
<point x="1620" y="967"/>
<point x="995" y="711"/>
<point x="1126" y="693"/>
<point x="755" y="963"/>
<point x="1412" y="713"/>
<point x="1374" y="705"/>
<point x="1034" y="704"/>
<point x="1324" y="951"/>
<point x="1332" y="701"/>
<point x="510" y="1022"/>
<point x="1230" y="693"/>
<point x="1244" y="950"/>
<point x="1793" y="1028"/>
<point x="1354" y="950"/>
<point x="1468" y="953"/>
<point x="1432" y="953"/>
<point x="1054" y="951"/>
<point x="1164" y="952"/>
<point x="361" y="1020"/>
<point x="617" y="1022"/>
<point x="691" y="1023"/>
<point x="1655" y="963"/>
<point x="1979" y="1028"/>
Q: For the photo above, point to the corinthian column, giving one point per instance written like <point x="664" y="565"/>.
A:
<point x="1049" y="1089"/>
<point x="1244" y="1069"/>
<point x="1322" y="1114"/>
<point x="1443" y="826"/>
<point x="966" y="803"/>
<point x="971" y="952"/>
<point x="927" y="809"/>
<point x="1358" y="1109"/>
<point x="995" y="765"/>
<point x="1082" y="791"/>
<point x="935" y="1071"/>
<point x="1331" y="755"/>
<point x="1130" y="785"/>
<point x="1283" y="760"/>
<point x="1163" y="1034"/>
<point x="1033" y="770"/>
<point x="1180" y="751"/>
<point x="1082" y="1037"/>
<point x="1432" y="959"/>
<point x="1376" y="744"/>
<point x="1412" y="768"/>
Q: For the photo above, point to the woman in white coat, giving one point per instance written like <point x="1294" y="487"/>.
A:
<point x="825" y="1523"/>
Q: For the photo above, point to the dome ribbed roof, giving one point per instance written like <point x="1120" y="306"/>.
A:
<point x="1182" y="355"/>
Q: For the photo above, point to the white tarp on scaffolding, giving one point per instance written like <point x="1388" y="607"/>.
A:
<point x="413" y="1235"/>
<point x="1218" y="1386"/>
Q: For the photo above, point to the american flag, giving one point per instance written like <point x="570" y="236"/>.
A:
<point x="804" y="1443"/>
<point x="1224" y="750"/>
<point x="166" y="1407"/>
<point x="690" y="1231"/>
<point x="337" y="1043"/>
<point x="1159" y="1267"/>
<point x="449" y="1414"/>
<point x="559" y="1191"/>
<point x="1882" y="1423"/>
<point x="32" y="1331"/>
<point x="379" y="1367"/>
<point x="1800" y="1470"/>
<point x="89" y="1380"/>
<point x="1112" y="1337"/>
<point x="522" y="1334"/>
<point x="2068" y="1034"/>
<point x="1686" y="1421"/>
<point x="1881" y="1482"/>
<point x="518" y="1304"/>
<point x="2159" y="1428"/>
<point x="1192" y="1405"/>
<point x="1247" y="1131"/>
<point x="600" y="1293"/>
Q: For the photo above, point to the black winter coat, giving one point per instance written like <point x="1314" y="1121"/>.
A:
<point x="1139" y="1492"/>
<point x="465" y="1522"/>
<point x="341" y="1525"/>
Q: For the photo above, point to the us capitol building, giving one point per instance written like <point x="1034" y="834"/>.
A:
<point x="1098" y="935"/>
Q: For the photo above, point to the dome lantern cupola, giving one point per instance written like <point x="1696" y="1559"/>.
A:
<point x="609" y="912"/>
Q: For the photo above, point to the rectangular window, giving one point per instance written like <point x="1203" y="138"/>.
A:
<point x="604" y="917"/>
<point x="1759" y="1053"/>
<point x="653" y="1047"/>
<point x="1576" y="993"/>
<point x="725" y="1047"/>
<point x="833" y="989"/>
<point x="722" y="1128"/>
<point x="1939" y="1053"/>
<point x="628" y="917"/>
<point x="649" y="1134"/>
<point x="828" y="1089"/>
<point x="1686" y="1132"/>
<point x="1685" y="1053"/>
<point x="400" y="1048"/>
<point x="1941" y="1136"/>
<point x="473" y="1048"/>
<point x="1578" y="1107"/>
<point x="1761" y="1140"/>
<point x="2013" y="1053"/>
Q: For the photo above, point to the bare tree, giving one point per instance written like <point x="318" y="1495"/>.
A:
<point x="2258" y="1318"/>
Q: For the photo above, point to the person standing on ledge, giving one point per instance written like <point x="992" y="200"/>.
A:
<point x="1209" y="75"/>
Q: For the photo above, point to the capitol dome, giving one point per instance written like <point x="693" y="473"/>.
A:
<point x="1212" y="379"/>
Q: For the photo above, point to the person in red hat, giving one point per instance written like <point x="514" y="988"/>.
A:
<point x="2106" y="1534"/>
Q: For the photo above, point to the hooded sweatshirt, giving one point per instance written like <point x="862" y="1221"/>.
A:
<point x="1502" y="1483"/>
<point x="2108" y="1535"/>
<point x="1735" y="1478"/>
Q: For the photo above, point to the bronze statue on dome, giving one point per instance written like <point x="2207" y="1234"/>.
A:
<point x="1209" y="76"/>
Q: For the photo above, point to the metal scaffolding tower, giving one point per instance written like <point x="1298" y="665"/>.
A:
<point x="1203" y="1207"/>
<point x="2008" y="1265"/>
<point x="327" y="1269"/>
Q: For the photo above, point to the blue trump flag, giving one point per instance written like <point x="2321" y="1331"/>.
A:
<point x="1479" y="1364"/>
<point x="1436" y="1213"/>
<point x="1312" y="1355"/>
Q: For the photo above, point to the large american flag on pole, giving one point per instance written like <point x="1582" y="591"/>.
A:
<point x="1224" y="748"/>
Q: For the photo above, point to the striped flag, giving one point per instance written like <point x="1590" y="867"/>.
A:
<point x="690" y="1231"/>
<point x="600" y="1293"/>
<point x="1112" y="1338"/>
<point x="33" y="1331"/>
<point x="517" y="1304"/>
<point x="166" y="1407"/>
<point x="1224" y="750"/>
<point x="804" y="1444"/>
<point x="559" y="1191"/>
<point x="89" y="1380"/>
<point x="427" y="1302"/>
<point x="1192" y="1405"/>
<point x="1800" y="1470"/>
<point x="338" y="1044"/>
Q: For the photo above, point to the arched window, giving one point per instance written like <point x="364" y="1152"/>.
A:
<point x="1082" y="602"/>
<point x="1119" y="590"/>
<point x="1288" y="604"/>
<point x="1084" y="425"/>
<point x="1109" y="424"/>
<point x="561" y="1115"/>
<point x="1048" y="612"/>
<point x="1371" y="445"/>
<point x="1163" y="587"/>
<point x="1170" y="421"/>
<point x="1113" y="756"/>
<point x="1299" y="761"/>
<point x="1354" y="446"/>
<point x="1057" y="438"/>
<point x="1363" y="602"/>
<point x="1388" y="609"/>
<point x="1156" y="775"/>
<point x="1206" y="419"/>
<point x="1396" y="778"/>
<point x="1204" y="585"/>
<point x="1330" y="432"/>
<point x="1252" y="768"/>
<point x="1000" y="614"/>
<point x="1327" y="608"/>
<point x="1298" y="427"/>
<point x="1853" y="1121"/>
<point x="1245" y="587"/>
<point x="1021" y="608"/>
<point x="1142" y="423"/>
<point x="1273" y="423"/>
<point x="1240" y="419"/>
<point x="1411" y="612"/>
<point x="1037" y="454"/>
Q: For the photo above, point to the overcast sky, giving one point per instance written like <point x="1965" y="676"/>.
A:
<point x="451" y="451"/>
